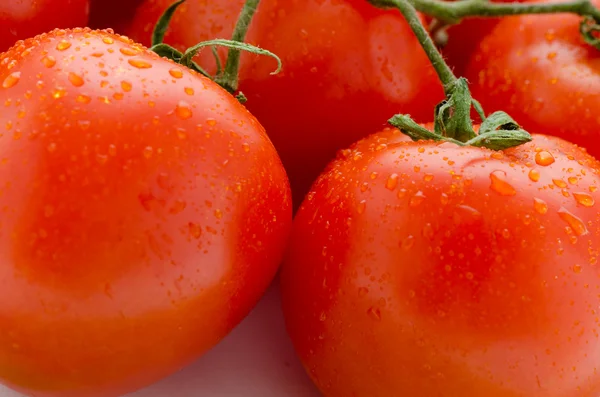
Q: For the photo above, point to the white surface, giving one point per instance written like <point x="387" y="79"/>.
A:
<point x="255" y="360"/>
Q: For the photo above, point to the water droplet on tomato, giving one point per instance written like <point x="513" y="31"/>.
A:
<point x="183" y="110"/>
<point x="63" y="45"/>
<point x="189" y="90"/>
<point x="128" y="51"/>
<point x="162" y="180"/>
<point x="195" y="230"/>
<point x="11" y="80"/>
<point x="407" y="243"/>
<point x="177" y="207"/>
<point x="584" y="199"/>
<point x="500" y="185"/>
<point x="211" y="122"/>
<point x="107" y="40"/>
<point x="577" y="269"/>
<point x="534" y="175"/>
<point x="75" y="79"/>
<point x="177" y="73"/>
<point x="362" y="291"/>
<point x="392" y="182"/>
<point x="544" y="158"/>
<point x="428" y="177"/>
<point x="246" y="147"/>
<point x="572" y="180"/>
<point x="59" y="93"/>
<point x="83" y="98"/>
<point x="573" y="221"/>
<point x="139" y="63"/>
<point x="218" y="214"/>
<point x="417" y="199"/>
<point x="48" y="61"/>
<point x="361" y="207"/>
<point x="126" y="86"/>
<point x="428" y="231"/>
<point x="540" y="206"/>
<point x="147" y="152"/>
<point x="374" y="313"/>
<point x="560" y="183"/>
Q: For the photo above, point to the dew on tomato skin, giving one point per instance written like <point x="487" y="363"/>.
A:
<point x="195" y="230"/>
<point x="126" y="86"/>
<point x="49" y="61"/>
<point x="559" y="183"/>
<point x="59" y="93"/>
<point x="63" y="45"/>
<point x="534" y="175"/>
<point x="76" y="79"/>
<point x="417" y="199"/>
<point x="128" y="51"/>
<point x="189" y="90"/>
<point x="148" y="152"/>
<point x="392" y="182"/>
<point x="374" y="313"/>
<point x="584" y="199"/>
<point x="176" y="73"/>
<point x="577" y="269"/>
<point x="362" y="292"/>
<point x="139" y="63"/>
<point x="540" y="206"/>
<point x="183" y="110"/>
<point x="407" y="243"/>
<point x="11" y="80"/>
<point x="575" y="223"/>
<point x="500" y="185"/>
<point x="544" y="158"/>
<point x="211" y="122"/>
<point x="361" y="207"/>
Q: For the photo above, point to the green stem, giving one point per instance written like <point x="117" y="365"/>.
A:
<point x="229" y="79"/>
<point x="454" y="11"/>
<point x="452" y="118"/>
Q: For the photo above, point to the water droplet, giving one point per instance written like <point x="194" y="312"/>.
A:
<point x="572" y="180"/>
<point x="584" y="199"/>
<point x="407" y="243"/>
<point x="128" y="51"/>
<point x="183" y="110"/>
<point x="500" y="185"/>
<point x="49" y="61"/>
<point x="560" y="183"/>
<point x="195" y="230"/>
<point x="178" y="207"/>
<point x="76" y="79"/>
<point x="63" y="45"/>
<point x="126" y="86"/>
<point x="540" y="206"/>
<point x="417" y="199"/>
<point x="246" y="147"/>
<point x="573" y="221"/>
<point x="544" y="158"/>
<point x="428" y="231"/>
<point x="392" y="182"/>
<point x="177" y="73"/>
<point x="147" y="152"/>
<point x="211" y="122"/>
<point x="139" y="63"/>
<point x="577" y="269"/>
<point x="534" y="175"/>
<point x="444" y="199"/>
<point x="11" y="80"/>
<point x="189" y="90"/>
<point x="362" y="291"/>
<point x="374" y="313"/>
<point x="218" y="214"/>
<point x="107" y="40"/>
<point x="83" y="99"/>
<point x="361" y="207"/>
<point x="374" y="175"/>
<point x="59" y="93"/>
<point x="428" y="177"/>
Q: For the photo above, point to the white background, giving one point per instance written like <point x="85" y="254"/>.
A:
<point x="255" y="360"/>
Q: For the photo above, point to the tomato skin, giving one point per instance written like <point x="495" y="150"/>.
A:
<point x="21" y="19"/>
<point x="423" y="280"/>
<point x="538" y="69"/>
<point x="347" y="67"/>
<point x="144" y="213"/>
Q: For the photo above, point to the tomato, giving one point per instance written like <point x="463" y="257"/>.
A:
<point x="143" y="213"/>
<point x="21" y="19"/>
<point x="346" y="67"/>
<point x="427" y="269"/>
<point x="114" y="14"/>
<point x="538" y="69"/>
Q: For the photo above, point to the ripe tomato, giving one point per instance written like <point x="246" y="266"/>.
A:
<point x="21" y="19"/>
<point x="143" y="213"/>
<point x="427" y="269"/>
<point x="346" y="67"/>
<point x="538" y="69"/>
<point x="103" y="15"/>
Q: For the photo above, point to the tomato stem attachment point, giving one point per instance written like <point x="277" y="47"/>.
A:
<point x="452" y="117"/>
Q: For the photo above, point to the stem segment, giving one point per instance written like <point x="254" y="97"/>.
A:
<point x="456" y="10"/>
<point x="229" y="79"/>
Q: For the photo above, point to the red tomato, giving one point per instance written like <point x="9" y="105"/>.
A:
<point x="103" y="15"/>
<point x="21" y="19"/>
<point x="538" y="69"/>
<point x="347" y="67"/>
<point x="143" y="213"/>
<point x="427" y="269"/>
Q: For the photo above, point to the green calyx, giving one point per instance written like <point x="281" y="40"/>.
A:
<point x="226" y="77"/>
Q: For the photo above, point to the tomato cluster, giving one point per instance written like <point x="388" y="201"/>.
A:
<point x="145" y="207"/>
